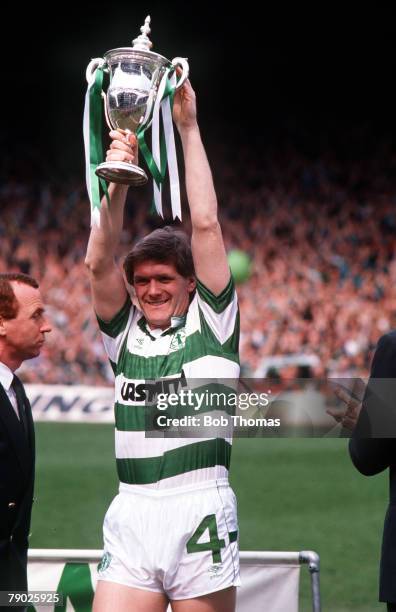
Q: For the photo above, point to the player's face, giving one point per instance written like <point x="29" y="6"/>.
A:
<point x="24" y="335"/>
<point x="162" y="292"/>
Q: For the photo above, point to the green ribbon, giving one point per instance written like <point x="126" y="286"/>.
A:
<point x="158" y="174"/>
<point x="95" y="139"/>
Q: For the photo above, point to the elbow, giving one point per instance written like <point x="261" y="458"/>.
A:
<point x="90" y="263"/>
<point x="95" y="265"/>
<point x="366" y="457"/>
<point x="208" y="224"/>
<point x="366" y="470"/>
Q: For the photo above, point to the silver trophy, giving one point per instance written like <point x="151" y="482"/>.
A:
<point x="135" y="76"/>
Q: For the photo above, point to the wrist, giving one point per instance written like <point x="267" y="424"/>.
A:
<point x="188" y="129"/>
<point x="117" y="189"/>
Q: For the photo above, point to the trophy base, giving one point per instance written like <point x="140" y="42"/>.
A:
<point x="122" y="172"/>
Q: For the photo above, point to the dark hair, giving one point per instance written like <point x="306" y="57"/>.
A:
<point x="164" y="245"/>
<point x="8" y="303"/>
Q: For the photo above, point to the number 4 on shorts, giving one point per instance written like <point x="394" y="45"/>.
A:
<point x="214" y="544"/>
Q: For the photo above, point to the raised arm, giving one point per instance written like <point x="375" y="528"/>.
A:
<point x="107" y="284"/>
<point x="207" y="244"/>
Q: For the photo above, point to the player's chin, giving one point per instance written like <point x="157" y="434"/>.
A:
<point x="159" y="319"/>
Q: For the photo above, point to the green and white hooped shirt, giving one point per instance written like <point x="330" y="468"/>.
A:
<point x="202" y="345"/>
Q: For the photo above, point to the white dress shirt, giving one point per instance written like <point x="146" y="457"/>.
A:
<point x="6" y="378"/>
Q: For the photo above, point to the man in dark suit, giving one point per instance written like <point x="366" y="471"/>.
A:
<point x="373" y="448"/>
<point x="22" y="331"/>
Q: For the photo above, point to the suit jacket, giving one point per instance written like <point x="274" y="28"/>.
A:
<point x="17" y="455"/>
<point x="373" y="455"/>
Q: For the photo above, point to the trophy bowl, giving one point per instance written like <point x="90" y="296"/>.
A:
<point x="135" y="75"/>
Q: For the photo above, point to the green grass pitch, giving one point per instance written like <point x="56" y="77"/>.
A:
<point x="293" y="494"/>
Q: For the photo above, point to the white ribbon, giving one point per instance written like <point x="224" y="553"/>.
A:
<point x="155" y="142"/>
<point x="171" y="153"/>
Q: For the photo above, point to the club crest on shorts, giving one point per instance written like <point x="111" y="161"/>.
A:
<point x="105" y="562"/>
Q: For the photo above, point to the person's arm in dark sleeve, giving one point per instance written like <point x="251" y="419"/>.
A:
<point x="373" y="455"/>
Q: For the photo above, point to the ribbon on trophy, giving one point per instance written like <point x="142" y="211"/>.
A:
<point x="92" y="130"/>
<point x="163" y="153"/>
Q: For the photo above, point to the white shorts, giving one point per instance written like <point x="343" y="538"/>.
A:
<point x="181" y="542"/>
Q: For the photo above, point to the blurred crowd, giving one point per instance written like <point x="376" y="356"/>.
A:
<point x="321" y="233"/>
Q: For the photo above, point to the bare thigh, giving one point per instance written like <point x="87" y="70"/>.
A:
<point x="113" y="597"/>
<point x="221" y="601"/>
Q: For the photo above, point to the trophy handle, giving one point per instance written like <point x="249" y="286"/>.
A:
<point x="95" y="63"/>
<point x="183" y="63"/>
<point x="106" y="114"/>
<point x="92" y="66"/>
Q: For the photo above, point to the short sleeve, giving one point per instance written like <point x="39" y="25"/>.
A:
<point x="115" y="331"/>
<point x="220" y="314"/>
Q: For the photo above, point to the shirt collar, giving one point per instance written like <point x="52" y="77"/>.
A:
<point x="6" y="376"/>
<point x="176" y="322"/>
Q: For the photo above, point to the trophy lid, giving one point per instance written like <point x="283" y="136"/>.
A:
<point x="141" y="48"/>
<point x="142" y="42"/>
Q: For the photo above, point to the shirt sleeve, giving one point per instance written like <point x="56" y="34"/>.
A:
<point x="115" y="331"/>
<point x="220" y="315"/>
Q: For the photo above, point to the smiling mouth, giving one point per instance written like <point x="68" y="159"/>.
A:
<point x="157" y="303"/>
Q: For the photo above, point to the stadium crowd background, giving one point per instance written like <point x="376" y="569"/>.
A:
<point x="321" y="232"/>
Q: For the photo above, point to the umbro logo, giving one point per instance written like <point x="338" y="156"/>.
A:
<point x="139" y="343"/>
<point x="216" y="570"/>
